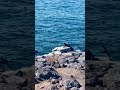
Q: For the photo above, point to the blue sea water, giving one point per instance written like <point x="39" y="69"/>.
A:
<point x="59" y="21"/>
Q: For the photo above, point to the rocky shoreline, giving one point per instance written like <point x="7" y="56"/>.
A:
<point x="66" y="70"/>
<point x="102" y="75"/>
<point x="22" y="79"/>
<point x="62" y="69"/>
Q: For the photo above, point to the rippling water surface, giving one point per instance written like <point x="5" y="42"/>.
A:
<point x="17" y="32"/>
<point x="102" y="27"/>
<point x="59" y="21"/>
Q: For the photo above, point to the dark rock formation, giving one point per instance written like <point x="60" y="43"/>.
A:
<point x="46" y="73"/>
<point x="73" y="83"/>
<point x="102" y="75"/>
<point x="19" y="73"/>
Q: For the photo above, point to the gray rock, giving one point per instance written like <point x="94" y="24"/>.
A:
<point x="73" y="83"/>
<point x="19" y="73"/>
<point x="54" y="87"/>
<point x="46" y="73"/>
<point x="74" y="88"/>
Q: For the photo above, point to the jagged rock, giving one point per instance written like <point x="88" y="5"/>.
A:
<point x="46" y="73"/>
<point x="60" y="58"/>
<point x="102" y="75"/>
<point x="73" y="83"/>
<point x="19" y="73"/>
<point x="10" y="81"/>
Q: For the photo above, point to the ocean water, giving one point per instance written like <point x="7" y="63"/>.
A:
<point x="102" y="27"/>
<point x="17" y="32"/>
<point x="59" y="21"/>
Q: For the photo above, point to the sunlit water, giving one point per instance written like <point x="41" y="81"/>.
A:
<point x="59" y="21"/>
